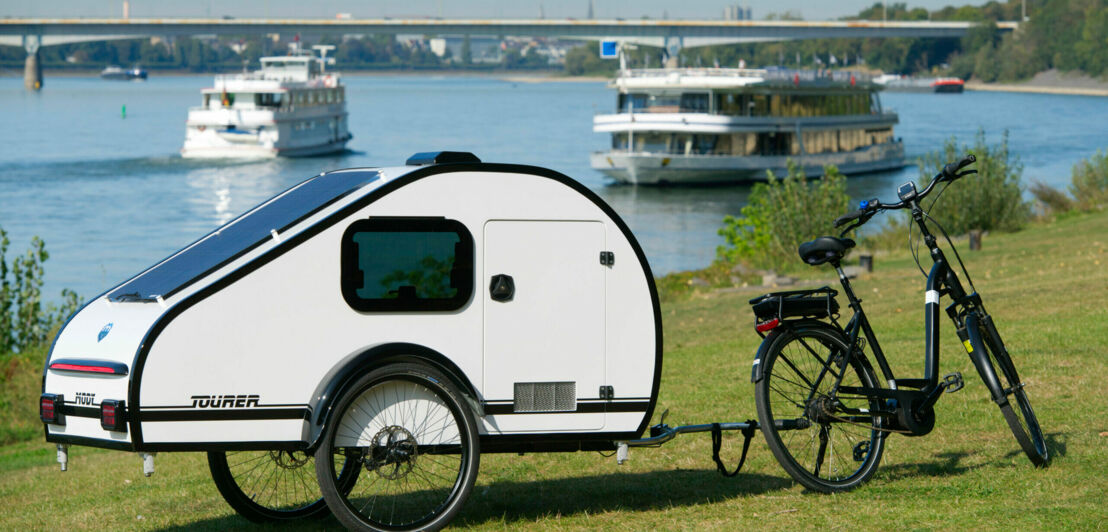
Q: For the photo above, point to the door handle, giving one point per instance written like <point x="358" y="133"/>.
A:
<point x="502" y="287"/>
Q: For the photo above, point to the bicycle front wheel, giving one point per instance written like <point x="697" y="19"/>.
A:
<point x="827" y="441"/>
<point x="988" y="353"/>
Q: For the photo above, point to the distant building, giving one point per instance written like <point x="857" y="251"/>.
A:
<point x="737" y="12"/>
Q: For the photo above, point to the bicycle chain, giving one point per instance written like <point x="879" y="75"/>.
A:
<point x="871" y="427"/>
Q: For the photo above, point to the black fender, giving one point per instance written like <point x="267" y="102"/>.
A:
<point x="981" y="360"/>
<point x="784" y="328"/>
<point x="335" y="383"/>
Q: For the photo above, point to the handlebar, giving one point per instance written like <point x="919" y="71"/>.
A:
<point x="950" y="171"/>
<point x="867" y="208"/>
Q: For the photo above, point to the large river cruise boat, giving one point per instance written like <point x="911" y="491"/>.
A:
<point x="724" y="125"/>
<point x="291" y="107"/>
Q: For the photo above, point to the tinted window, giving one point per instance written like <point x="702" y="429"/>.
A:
<point x="240" y="235"/>
<point x="407" y="264"/>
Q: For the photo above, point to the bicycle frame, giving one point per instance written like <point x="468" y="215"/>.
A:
<point x="965" y="309"/>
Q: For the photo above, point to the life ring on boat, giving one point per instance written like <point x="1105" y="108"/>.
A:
<point x="201" y="128"/>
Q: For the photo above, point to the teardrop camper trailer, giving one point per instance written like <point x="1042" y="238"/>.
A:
<point x="394" y="323"/>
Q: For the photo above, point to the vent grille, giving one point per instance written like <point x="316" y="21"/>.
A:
<point x="545" y="397"/>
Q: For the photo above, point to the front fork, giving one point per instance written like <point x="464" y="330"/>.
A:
<point x="977" y="347"/>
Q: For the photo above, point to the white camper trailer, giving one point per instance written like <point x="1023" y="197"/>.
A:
<point x="392" y="323"/>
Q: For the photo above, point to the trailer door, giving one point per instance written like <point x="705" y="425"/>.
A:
<point x="543" y="290"/>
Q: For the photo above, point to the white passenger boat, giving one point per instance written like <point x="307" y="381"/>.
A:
<point x="291" y="107"/>
<point x="723" y="125"/>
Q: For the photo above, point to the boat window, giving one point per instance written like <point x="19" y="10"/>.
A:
<point x="627" y="101"/>
<point x="759" y="105"/>
<point x="241" y="235"/>
<point x="407" y="264"/>
<point x="735" y="104"/>
<point x="267" y="99"/>
<point x="774" y="143"/>
<point x="694" y="103"/>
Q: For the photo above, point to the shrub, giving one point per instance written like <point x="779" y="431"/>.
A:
<point x="990" y="200"/>
<point x="780" y="215"/>
<point x="24" y="321"/>
<point x="1051" y="200"/>
<point x="1089" y="184"/>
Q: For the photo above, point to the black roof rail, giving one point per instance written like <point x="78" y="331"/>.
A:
<point x="441" y="157"/>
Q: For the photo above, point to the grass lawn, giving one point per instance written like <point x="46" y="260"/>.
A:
<point x="1046" y="286"/>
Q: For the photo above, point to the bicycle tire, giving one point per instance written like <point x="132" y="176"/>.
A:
<point x="984" y="338"/>
<point x="269" y="486"/>
<point x="790" y="390"/>
<point x="411" y="431"/>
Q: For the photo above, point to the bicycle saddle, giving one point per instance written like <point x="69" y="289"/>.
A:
<point x="824" y="249"/>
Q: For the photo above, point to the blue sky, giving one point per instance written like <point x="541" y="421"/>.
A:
<point x="686" y="9"/>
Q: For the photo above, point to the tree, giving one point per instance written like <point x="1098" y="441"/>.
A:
<point x="467" y="52"/>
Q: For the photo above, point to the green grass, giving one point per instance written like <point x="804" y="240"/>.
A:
<point x="1046" y="286"/>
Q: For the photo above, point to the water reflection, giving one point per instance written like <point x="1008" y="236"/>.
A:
<point x="219" y="193"/>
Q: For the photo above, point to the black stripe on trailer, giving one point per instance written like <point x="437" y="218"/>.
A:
<point x="345" y="212"/>
<point x="504" y="409"/>
<point x="223" y="415"/>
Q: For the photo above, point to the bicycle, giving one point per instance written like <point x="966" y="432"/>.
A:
<point x="823" y="411"/>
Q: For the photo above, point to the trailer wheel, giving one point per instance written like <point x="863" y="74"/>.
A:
<point x="415" y="442"/>
<point x="268" y="486"/>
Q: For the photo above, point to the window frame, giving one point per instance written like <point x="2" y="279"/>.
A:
<point x="352" y="277"/>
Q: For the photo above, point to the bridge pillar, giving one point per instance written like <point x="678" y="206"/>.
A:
<point x="32" y="68"/>
<point x="673" y="51"/>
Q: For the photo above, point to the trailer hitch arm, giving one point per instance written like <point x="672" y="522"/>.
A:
<point x="662" y="433"/>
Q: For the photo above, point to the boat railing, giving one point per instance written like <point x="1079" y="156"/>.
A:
<point x="329" y="79"/>
<point x="784" y="75"/>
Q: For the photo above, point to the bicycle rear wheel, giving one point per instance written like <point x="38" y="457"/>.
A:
<point x="839" y="445"/>
<point x="1005" y="386"/>
<point x="268" y="486"/>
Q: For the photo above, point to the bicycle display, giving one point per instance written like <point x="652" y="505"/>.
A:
<point x="823" y="409"/>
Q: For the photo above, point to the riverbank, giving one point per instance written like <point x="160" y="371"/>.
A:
<point x="1049" y="82"/>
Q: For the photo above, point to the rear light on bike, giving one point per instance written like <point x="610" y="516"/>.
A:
<point x="767" y="325"/>
<point x="111" y="415"/>
<point x="50" y="409"/>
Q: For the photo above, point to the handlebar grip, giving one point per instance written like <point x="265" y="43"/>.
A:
<point x="849" y="217"/>
<point x="951" y="169"/>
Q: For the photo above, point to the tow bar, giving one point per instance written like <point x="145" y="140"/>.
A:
<point x="662" y="433"/>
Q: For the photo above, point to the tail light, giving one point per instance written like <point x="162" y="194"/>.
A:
<point x="50" y="409"/>
<point x="767" y="325"/>
<point x="112" y="415"/>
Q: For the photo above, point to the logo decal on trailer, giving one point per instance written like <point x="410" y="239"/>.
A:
<point x="104" y="332"/>
<point x="224" y="401"/>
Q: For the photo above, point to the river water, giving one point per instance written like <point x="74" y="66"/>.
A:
<point x="110" y="195"/>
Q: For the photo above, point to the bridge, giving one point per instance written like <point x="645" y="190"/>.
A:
<point x="672" y="35"/>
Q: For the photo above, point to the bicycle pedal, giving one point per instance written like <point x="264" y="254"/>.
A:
<point x="953" y="382"/>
